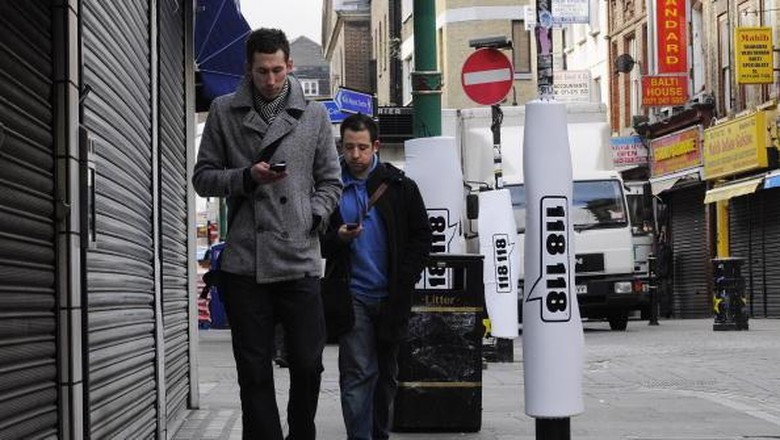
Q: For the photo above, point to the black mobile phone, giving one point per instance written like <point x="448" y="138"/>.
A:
<point x="279" y="167"/>
<point x="352" y="226"/>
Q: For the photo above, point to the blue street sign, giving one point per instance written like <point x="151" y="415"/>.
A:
<point x="335" y="113"/>
<point x="350" y="101"/>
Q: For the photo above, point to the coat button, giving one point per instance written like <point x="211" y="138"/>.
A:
<point x="282" y="200"/>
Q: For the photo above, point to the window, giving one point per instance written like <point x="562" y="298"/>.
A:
<point x="408" y="67"/>
<point x="521" y="47"/>
<point x="598" y="204"/>
<point x="636" y="73"/>
<point x="406" y="9"/>
<point x="724" y="65"/>
<point x="311" y="87"/>
<point x="595" y="16"/>
<point x="595" y="89"/>
<point x="697" y="52"/>
<point x="750" y="95"/>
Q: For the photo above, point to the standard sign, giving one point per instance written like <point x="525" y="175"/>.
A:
<point x="487" y="76"/>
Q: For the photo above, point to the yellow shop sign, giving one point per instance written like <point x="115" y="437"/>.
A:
<point x="754" y="55"/>
<point x="735" y="146"/>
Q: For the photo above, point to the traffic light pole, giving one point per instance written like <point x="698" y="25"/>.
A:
<point x="426" y="80"/>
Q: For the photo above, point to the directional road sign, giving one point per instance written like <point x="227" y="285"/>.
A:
<point x="351" y="101"/>
<point x="334" y="112"/>
<point x="487" y="76"/>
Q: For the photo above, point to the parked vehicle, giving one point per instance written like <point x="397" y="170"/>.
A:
<point x="607" y="286"/>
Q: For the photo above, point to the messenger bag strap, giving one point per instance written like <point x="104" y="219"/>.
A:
<point x="371" y="201"/>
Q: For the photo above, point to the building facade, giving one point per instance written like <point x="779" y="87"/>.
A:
<point x="703" y="97"/>
<point x="346" y="42"/>
<point x="310" y="67"/>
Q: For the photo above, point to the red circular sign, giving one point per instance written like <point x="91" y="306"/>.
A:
<point x="487" y="76"/>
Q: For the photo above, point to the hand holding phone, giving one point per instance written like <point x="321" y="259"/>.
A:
<point x="279" y="167"/>
<point x="351" y="226"/>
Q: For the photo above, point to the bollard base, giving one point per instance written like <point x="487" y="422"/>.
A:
<point x="553" y="429"/>
<point x="726" y="326"/>
<point x="498" y="350"/>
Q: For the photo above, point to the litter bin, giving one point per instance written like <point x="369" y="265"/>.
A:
<point x="729" y="300"/>
<point x="440" y="363"/>
<point x="216" y="305"/>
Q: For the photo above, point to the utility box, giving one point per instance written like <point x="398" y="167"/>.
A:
<point x="440" y="363"/>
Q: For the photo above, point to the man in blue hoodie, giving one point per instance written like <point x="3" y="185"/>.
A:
<point x="376" y="246"/>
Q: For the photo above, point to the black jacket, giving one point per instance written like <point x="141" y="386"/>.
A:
<point x="409" y="242"/>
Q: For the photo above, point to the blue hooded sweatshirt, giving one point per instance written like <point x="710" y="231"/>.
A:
<point x="368" y="251"/>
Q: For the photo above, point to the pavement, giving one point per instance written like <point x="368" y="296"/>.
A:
<point x="679" y="380"/>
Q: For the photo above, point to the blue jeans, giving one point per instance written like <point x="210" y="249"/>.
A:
<point x="368" y="371"/>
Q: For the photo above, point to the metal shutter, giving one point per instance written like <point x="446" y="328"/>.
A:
<point x="690" y="298"/>
<point x="121" y="388"/>
<point x="28" y="346"/>
<point x="769" y="305"/>
<point x="173" y="204"/>
<point x="747" y="241"/>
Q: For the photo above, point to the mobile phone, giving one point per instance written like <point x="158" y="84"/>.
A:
<point x="279" y="167"/>
<point x="352" y="226"/>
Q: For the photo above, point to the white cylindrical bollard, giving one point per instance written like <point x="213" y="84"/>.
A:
<point x="553" y="342"/>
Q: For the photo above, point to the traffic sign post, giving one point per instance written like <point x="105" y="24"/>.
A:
<point x="487" y="76"/>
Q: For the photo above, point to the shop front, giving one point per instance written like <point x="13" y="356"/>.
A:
<point x="745" y="195"/>
<point x="676" y="178"/>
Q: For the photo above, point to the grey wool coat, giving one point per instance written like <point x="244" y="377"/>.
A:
<point x="272" y="235"/>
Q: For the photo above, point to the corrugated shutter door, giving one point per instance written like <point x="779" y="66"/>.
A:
<point x="769" y="306"/>
<point x="28" y="369"/>
<point x="690" y="254"/>
<point x="173" y="201"/>
<point x="747" y="241"/>
<point x="121" y="388"/>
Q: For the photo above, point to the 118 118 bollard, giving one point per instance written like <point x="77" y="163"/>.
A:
<point x="729" y="300"/>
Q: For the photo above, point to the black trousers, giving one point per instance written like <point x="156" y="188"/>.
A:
<point x="253" y="310"/>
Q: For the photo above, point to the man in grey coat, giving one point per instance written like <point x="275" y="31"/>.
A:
<point x="271" y="263"/>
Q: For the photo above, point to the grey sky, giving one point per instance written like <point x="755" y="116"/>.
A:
<point x="294" y="17"/>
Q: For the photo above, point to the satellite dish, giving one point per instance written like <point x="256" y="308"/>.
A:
<point x="624" y="63"/>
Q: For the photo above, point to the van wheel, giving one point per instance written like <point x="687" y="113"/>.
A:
<point x="618" y="322"/>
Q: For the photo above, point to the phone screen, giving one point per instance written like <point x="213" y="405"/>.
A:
<point x="279" y="167"/>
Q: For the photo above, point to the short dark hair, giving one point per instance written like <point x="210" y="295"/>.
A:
<point x="360" y="122"/>
<point x="266" y="40"/>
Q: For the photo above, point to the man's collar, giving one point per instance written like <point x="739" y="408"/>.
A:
<point x="243" y="96"/>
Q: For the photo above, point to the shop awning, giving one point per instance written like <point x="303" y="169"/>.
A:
<point x="772" y="181"/>
<point x="730" y="190"/>
<point x="661" y="184"/>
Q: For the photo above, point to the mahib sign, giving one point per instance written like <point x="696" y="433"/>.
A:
<point x="664" y="91"/>
<point x="754" y="55"/>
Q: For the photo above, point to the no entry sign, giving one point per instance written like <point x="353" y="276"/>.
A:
<point x="486" y="76"/>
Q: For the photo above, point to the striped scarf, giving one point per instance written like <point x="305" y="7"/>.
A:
<point x="269" y="109"/>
